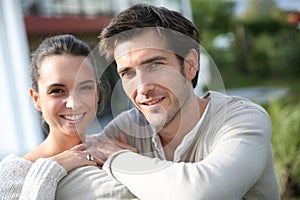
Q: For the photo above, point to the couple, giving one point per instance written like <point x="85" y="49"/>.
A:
<point x="172" y="145"/>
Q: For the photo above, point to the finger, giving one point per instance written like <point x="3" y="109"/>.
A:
<point x="97" y="157"/>
<point x="125" y="146"/>
<point x="110" y="144"/>
<point x="91" y="138"/>
<point x="88" y="144"/>
<point x="122" y="138"/>
<point x="79" y="147"/>
<point x="98" y="161"/>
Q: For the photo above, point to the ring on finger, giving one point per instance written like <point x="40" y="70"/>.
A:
<point x="90" y="157"/>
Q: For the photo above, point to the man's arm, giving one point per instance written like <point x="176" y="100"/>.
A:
<point x="235" y="163"/>
<point x="224" y="174"/>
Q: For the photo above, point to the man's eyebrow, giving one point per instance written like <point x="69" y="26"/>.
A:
<point x="122" y="69"/>
<point x="62" y="85"/>
<point x="150" y="60"/>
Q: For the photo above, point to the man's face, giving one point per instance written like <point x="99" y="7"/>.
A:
<point x="153" y="78"/>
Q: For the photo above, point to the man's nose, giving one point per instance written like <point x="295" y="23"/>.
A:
<point x="145" y="83"/>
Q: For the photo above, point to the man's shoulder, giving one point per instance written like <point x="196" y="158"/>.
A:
<point x="222" y="101"/>
<point x="130" y="122"/>
<point x="132" y="115"/>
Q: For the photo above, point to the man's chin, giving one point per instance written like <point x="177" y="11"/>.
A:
<point x="157" y="121"/>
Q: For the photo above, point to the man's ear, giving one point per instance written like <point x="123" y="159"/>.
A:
<point x="191" y="63"/>
<point x="35" y="98"/>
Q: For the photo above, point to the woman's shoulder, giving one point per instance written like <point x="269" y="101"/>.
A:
<point x="13" y="158"/>
<point x="13" y="170"/>
<point x="12" y="163"/>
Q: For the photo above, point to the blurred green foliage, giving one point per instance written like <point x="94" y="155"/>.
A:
<point x="286" y="146"/>
<point x="266" y="51"/>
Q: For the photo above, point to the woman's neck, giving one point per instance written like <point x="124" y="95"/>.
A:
<point x="54" y="144"/>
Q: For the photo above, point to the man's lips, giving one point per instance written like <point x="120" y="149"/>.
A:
<point x="152" y="101"/>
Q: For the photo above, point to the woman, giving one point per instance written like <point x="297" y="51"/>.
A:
<point x="65" y="90"/>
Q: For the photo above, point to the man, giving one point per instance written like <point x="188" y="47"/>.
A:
<point x="214" y="147"/>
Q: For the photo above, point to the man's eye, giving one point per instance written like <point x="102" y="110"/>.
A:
<point x="156" y="64"/>
<point x="153" y="66"/>
<point x="127" y="74"/>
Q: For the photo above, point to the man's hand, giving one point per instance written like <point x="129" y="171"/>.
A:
<point x="105" y="147"/>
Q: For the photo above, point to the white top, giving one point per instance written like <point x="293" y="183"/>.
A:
<point x="230" y="156"/>
<point x="185" y="142"/>
<point x="21" y="179"/>
<point x="45" y="179"/>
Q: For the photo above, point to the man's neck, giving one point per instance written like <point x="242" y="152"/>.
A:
<point x="172" y="134"/>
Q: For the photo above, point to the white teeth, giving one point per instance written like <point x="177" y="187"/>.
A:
<point x="73" y="117"/>
<point x="153" y="102"/>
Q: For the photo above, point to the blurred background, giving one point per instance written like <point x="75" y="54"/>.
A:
<point x="255" y="45"/>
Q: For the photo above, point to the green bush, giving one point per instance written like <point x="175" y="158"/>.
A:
<point x="286" y="146"/>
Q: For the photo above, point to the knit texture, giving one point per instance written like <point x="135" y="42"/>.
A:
<point x="13" y="171"/>
<point x="21" y="179"/>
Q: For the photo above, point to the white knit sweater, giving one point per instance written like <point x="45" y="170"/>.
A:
<point x="47" y="180"/>
<point x="20" y="179"/>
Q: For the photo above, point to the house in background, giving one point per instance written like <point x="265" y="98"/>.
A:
<point x="85" y="19"/>
<point x="294" y="19"/>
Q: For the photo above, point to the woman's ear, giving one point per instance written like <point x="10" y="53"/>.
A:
<point x="191" y="63"/>
<point x="35" y="98"/>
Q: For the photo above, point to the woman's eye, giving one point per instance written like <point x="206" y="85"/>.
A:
<point x="87" y="87"/>
<point x="56" y="91"/>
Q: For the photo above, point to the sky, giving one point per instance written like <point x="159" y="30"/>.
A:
<point x="293" y="5"/>
<point x="289" y="4"/>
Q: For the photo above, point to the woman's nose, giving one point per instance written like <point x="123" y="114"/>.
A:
<point x="73" y="101"/>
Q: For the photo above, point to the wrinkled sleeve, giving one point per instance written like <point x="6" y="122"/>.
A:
<point x="42" y="179"/>
<point x="235" y="162"/>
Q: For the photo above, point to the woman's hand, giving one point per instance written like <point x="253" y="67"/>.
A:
<point x="77" y="157"/>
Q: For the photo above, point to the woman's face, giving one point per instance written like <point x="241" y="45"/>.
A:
<point x="67" y="95"/>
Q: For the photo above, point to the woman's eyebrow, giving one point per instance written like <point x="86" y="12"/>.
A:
<point x="87" y="81"/>
<point x="55" y="85"/>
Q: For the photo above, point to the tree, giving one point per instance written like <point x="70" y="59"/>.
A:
<point x="258" y="10"/>
<point x="213" y="16"/>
